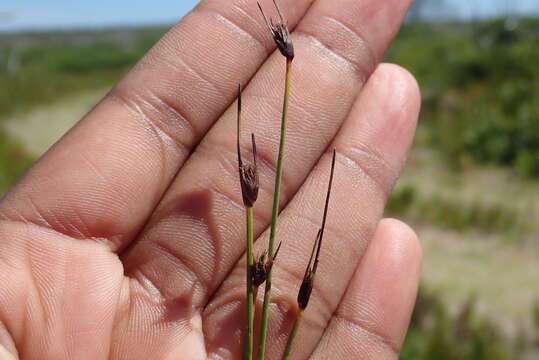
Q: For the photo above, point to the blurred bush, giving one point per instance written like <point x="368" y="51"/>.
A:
<point x="479" y="88"/>
<point x="452" y="213"/>
<point x="437" y="334"/>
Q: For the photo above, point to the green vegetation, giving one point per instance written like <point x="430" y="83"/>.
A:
<point x="478" y="82"/>
<point x="40" y="68"/>
<point x="446" y="212"/>
<point x="438" y="335"/>
<point x="13" y="162"/>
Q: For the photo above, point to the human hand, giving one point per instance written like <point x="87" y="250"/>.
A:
<point x="126" y="240"/>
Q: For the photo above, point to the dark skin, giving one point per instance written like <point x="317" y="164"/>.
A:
<point x="126" y="240"/>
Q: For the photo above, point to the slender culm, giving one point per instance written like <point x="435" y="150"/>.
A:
<point x="249" y="189"/>
<point x="292" y="336"/>
<point x="248" y="353"/>
<point x="281" y="36"/>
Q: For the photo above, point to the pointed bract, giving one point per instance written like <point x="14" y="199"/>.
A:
<point x="279" y="32"/>
<point x="248" y="172"/>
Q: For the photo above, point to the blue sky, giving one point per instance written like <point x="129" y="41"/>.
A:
<point x="40" y="14"/>
<point x="482" y="8"/>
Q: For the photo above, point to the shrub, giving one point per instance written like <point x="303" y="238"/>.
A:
<point x="435" y="334"/>
<point x="406" y="201"/>
<point x="479" y="101"/>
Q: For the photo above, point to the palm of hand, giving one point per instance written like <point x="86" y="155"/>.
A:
<point x="123" y="243"/>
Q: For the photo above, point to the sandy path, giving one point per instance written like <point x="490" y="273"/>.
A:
<point x="41" y="128"/>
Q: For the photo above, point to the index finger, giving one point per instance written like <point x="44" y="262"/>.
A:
<point x="104" y="178"/>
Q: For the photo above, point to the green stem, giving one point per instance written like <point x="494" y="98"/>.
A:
<point x="292" y="335"/>
<point x="248" y="354"/>
<point x="275" y="211"/>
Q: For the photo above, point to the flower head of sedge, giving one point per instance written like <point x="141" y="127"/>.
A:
<point x="262" y="267"/>
<point x="279" y="32"/>
<point x="248" y="172"/>
<point x="306" y="287"/>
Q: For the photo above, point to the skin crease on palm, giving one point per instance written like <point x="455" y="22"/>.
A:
<point x="126" y="239"/>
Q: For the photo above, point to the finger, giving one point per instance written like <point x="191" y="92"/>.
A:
<point x="105" y="177"/>
<point x="8" y="351"/>
<point x="371" y="148"/>
<point x="373" y="317"/>
<point x="5" y="355"/>
<point x="198" y="227"/>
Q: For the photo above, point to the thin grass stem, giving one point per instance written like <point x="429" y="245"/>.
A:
<point x="292" y="336"/>
<point x="248" y="353"/>
<point x="275" y="210"/>
<point x="249" y="189"/>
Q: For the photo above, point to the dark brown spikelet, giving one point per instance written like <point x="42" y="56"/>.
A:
<point x="304" y="294"/>
<point x="248" y="172"/>
<point x="249" y="183"/>
<point x="259" y="270"/>
<point x="279" y="32"/>
<point x="306" y="288"/>
<point x="262" y="267"/>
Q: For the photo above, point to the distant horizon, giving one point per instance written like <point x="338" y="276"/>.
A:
<point x="90" y="27"/>
<point x="61" y="15"/>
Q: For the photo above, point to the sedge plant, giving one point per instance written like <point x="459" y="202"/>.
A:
<point x="281" y="36"/>
<point x="306" y="288"/>
<point x="249" y="188"/>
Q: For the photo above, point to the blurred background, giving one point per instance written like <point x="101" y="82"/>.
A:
<point x="471" y="187"/>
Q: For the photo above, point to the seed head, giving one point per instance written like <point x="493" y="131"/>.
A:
<point x="248" y="172"/>
<point x="279" y="32"/>
<point x="261" y="267"/>
<point x="259" y="270"/>
<point x="306" y="288"/>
